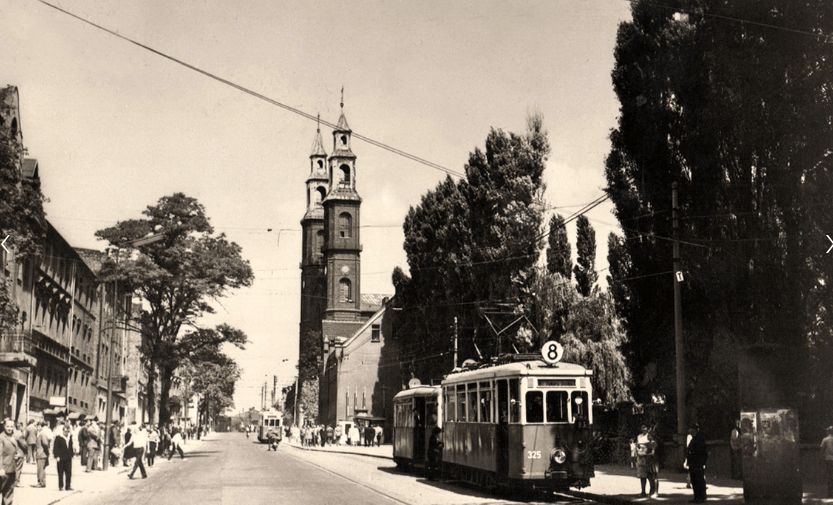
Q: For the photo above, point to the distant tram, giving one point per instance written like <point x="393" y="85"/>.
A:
<point x="523" y="423"/>
<point x="269" y="419"/>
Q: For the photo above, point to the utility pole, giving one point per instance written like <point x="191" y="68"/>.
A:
<point x="679" y="346"/>
<point x="455" y="343"/>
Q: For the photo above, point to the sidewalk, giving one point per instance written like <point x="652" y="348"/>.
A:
<point x="83" y="483"/>
<point x="618" y="485"/>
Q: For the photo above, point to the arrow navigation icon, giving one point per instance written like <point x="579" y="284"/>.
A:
<point x="3" y="244"/>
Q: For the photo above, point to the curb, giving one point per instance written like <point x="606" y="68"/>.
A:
<point x="318" y="449"/>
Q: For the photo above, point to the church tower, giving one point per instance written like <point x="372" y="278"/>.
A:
<point x="313" y="276"/>
<point x="342" y="248"/>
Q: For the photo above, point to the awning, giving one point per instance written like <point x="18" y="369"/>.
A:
<point x="55" y="412"/>
<point x="75" y="416"/>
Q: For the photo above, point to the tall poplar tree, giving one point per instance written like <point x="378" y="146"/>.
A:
<point x="731" y="100"/>
<point x="585" y="268"/>
<point x="559" y="253"/>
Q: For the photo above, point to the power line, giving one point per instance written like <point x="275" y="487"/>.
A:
<point x="255" y="94"/>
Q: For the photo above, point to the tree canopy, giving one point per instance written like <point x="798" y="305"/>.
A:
<point x="731" y="100"/>
<point x="178" y="277"/>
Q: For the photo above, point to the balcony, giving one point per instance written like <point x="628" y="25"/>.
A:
<point x="16" y="350"/>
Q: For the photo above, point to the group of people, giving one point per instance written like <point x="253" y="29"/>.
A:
<point x="39" y="441"/>
<point x="644" y="453"/>
<point x="321" y="435"/>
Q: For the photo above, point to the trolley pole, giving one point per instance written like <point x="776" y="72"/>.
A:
<point x="682" y="425"/>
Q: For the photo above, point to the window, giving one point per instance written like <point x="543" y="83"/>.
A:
<point x="485" y="402"/>
<point x="450" y="404"/>
<point x="579" y="405"/>
<point x="557" y="406"/>
<point x="345" y="290"/>
<point x="514" y="401"/>
<point x="344" y="140"/>
<point x="345" y="225"/>
<point x="472" y="389"/>
<point x="375" y="333"/>
<point x="344" y="176"/>
<point x="461" y="402"/>
<point x="534" y="407"/>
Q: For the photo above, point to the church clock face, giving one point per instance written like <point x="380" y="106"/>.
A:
<point x="345" y="270"/>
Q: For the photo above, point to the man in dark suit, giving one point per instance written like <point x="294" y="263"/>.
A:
<point x="697" y="454"/>
<point x="9" y="455"/>
<point x="63" y="449"/>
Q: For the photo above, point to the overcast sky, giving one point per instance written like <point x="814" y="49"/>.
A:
<point x="115" y="126"/>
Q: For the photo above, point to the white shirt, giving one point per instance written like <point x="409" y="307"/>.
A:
<point x="139" y="439"/>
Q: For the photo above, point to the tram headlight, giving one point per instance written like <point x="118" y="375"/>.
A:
<point x="558" y="456"/>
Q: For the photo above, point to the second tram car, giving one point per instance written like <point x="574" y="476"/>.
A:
<point x="269" y="419"/>
<point x="524" y="424"/>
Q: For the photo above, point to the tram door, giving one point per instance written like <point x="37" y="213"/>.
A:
<point x="502" y="431"/>
<point x="419" y="429"/>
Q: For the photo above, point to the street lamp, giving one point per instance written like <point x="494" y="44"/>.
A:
<point x="109" y="414"/>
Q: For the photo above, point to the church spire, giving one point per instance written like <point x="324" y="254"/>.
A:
<point x="318" y="143"/>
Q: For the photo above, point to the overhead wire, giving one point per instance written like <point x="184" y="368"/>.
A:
<point x="260" y="96"/>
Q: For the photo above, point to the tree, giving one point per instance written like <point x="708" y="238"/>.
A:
<point x="177" y="277"/>
<point x="750" y="152"/>
<point x="212" y="375"/>
<point x="309" y="369"/>
<point x="471" y="245"/>
<point x="585" y="268"/>
<point x="21" y="217"/>
<point x="559" y="251"/>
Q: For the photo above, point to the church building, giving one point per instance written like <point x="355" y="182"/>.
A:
<point x="352" y="382"/>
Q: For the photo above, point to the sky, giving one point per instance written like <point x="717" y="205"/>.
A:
<point x="115" y="126"/>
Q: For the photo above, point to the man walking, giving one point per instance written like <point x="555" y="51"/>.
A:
<point x="44" y="441"/>
<point x="697" y="454"/>
<point x="31" y="441"/>
<point x="93" y="445"/>
<point x="9" y="455"/>
<point x="139" y="441"/>
<point x="82" y="439"/>
<point x="64" y="449"/>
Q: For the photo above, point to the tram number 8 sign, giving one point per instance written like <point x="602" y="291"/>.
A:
<point x="552" y="352"/>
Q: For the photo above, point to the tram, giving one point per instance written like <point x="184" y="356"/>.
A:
<point x="269" y="419"/>
<point x="523" y="422"/>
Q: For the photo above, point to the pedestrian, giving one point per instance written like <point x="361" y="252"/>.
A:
<point x="737" y="457"/>
<point x="378" y="430"/>
<point x="165" y="441"/>
<point x="369" y="435"/>
<point x="337" y="434"/>
<point x="697" y="454"/>
<point x="435" y="452"/>
<point x="176" y="445"/>
<point x="44" y="441"/>
<point x="82" y="439"/>
<point x="827" y="456"/>
<point x="10" y="453"/>
<point x="127" y="453"/>
<point x="138" y="443"/>
<point x="113" y="441"/>
<point x="353" y="437"/>
<point x="31" y="441"/>
<point x="646" y="461"/>
<point x="153" y="443"/>
<point x="93" y="445"/>
<point x="64" y="449"/>
<point x="330" y="435"/>
<point x="307" y="436"/>
<point x="19" y="437"/>
<point x="633" y="452"/>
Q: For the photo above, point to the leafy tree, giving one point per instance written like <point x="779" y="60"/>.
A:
<point x="471" y="246"/>
<point x="212" y="375"/>
<point x="21" y="217"/>
<point x="750" y="151"/>
<point x="559" y="252"/>
<point x="585" y="268"/>
<point x="309" y="369"/>
<point x="177" y="277"/>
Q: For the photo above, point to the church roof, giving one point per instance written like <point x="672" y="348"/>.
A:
<point x="342" y="124"/>
<point x="318" y="145"/>
<point x="372" y="302"/>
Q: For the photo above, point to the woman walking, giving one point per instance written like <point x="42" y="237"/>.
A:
<point x="153" y="443"/>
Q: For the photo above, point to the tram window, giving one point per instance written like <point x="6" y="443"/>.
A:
<point x="450" y="404"/>
<point x="485" y="405"/>
<point x="579" y="404"/>
<point x="502" y="402"/>
<point x="431" y="413"/>
<point x="473" y="402"/>
<point x="461" y="402"/>
<point x="534" y="407"/>
<point x="514" y="401"/>
<point x="557" y="406"/>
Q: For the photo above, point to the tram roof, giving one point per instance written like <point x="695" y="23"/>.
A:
<point x="520" y="368"/>
<point x="422" y="390"/>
